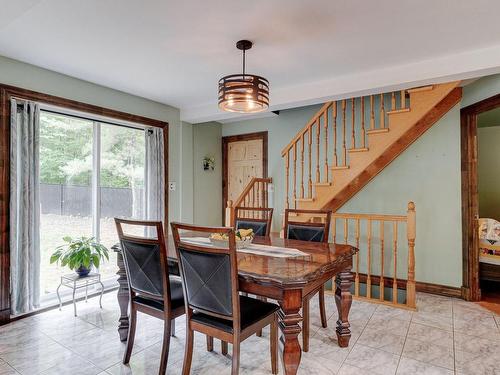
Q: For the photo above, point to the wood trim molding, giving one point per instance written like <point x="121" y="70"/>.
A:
<point x="6" y="93"/>
<point x="236" y="138"/>
<point x="470" y="203"/>
<point x="395" y="149"/>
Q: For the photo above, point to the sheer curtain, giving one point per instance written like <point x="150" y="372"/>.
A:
<point x="24" y="206"/>
<point x="154" y="175"/>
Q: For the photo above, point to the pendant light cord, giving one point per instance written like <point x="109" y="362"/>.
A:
<point x="244" y="64"/>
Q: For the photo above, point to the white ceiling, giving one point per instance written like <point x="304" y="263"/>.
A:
<point x="174" y="52"/>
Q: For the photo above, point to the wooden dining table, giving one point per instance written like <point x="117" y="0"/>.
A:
<point x="284" y="279"/>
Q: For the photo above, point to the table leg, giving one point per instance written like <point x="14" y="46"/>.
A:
<point x="343" y="300"/>
<point x="102" y="292"/>
<point x="59" y="297"/>
<point x="74" y="302"/>
<point x="123" y="298"/>
<point x="290" y="329"/>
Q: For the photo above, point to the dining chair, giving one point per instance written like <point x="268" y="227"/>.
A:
<point x="315" y="230"/>
<point x="256" y="218"/>
<point x="213" y="306"/>
<point x="152" y="290"/>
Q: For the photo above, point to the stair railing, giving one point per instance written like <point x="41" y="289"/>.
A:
<point x="255" y="194"/>
<point x="378" y="274"/>
<point x="324" y="143"/>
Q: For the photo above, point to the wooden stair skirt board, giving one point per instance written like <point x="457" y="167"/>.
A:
<point x="394" y="150"/>
<point x="423" y="287"/>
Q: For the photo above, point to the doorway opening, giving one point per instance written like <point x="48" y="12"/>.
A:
<point x="480" y="135"/>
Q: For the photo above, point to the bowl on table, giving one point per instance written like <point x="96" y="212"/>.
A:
<point x="244" y="238"/>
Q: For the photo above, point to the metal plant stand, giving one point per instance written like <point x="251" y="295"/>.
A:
<point x="75" y="281"/>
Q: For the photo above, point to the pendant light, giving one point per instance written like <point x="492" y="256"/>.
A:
<point x="243" y="93"/>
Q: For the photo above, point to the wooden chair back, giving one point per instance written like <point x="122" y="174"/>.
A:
<point x="209" y="274"/>
<point x="257" y="218"/>
<point x="308" y="230"/>
<point x="145" y="260"/>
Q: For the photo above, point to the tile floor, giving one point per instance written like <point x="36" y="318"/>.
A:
<point x="445" y="336"/>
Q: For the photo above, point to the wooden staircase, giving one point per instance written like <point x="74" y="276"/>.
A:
<point x="348" y="142"/>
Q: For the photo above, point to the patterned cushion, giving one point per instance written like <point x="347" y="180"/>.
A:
<point x="306" y="233"/>
<point x="259" y="228"/>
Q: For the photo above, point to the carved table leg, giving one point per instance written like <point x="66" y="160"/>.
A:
<point x="123" y="298"/>
<point x="290" y="329"/>
<point x="343" y="299"/>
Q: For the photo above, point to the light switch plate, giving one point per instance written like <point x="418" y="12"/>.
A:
<point x="171" y="186"/>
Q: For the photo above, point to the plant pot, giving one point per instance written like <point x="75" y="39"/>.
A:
<point x="83" y="271"/>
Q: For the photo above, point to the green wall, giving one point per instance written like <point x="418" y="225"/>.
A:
<point x="488" y="172"/>
<point x="427" y="173"/>
<point x="207" y="192"/>
<point x="28" y="76"/>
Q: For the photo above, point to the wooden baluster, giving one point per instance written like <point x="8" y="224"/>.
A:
<point x="411" y="234"/>
<point x="382" y="112"/>
<point x="395" y="261"/>
<point x="344" y="149"/>
<point x="334" y="115"/>
<point x="393" y="100"/>
<point x="334" y="229"/>
<point x="363" y="134"/>
<point x="310" y="182"/>
<point x="382" y="284"/>
<point x="266" y="195"/>
<point x="318" y="130"/>
<point x="325" y="125"/>
<point x="368" y="261"/>
<point x="258" y="190"/>
<point x="295" y="175"/>
<point x="229" y="214"/>
<point x="353" y="123"/>
<point x="253" y="200"/>
<point x="356" y="278"/>
<point x="302" y="193"/>
<point x="346" y="230"/>
<point x="403" y="99"/>
<point x="287" y="177"/>
<point x="372" y="113"/>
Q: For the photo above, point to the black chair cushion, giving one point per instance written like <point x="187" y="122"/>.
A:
<point x="142" y="263"/>
<point x="208" y="281"/>
<point x="176" y="295"/>
<point x="252" y="311"/>
<point x="259" y="228"/>
<point x="306" y="233"/>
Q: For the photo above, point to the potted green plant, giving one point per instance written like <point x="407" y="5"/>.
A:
<point x="80" y="254"/>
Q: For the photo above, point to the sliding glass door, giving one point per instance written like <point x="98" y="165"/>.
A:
<point x="90" y="172"/>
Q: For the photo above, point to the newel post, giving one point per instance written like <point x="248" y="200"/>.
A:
<point x="411" y="234"/>
<point x="229" y="213"/>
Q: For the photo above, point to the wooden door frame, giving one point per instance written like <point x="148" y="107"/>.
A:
<point x="236" y="138"/>
<point x="6" y="93"/>
<point x="470" y="201"/>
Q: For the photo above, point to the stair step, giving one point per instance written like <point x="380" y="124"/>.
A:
<point x="323" y="184"/>
<point x="419" y="89"/>
<point x="402" y="110"/>
<point x="304" y="199"/>
<point x="339" y="167"/>
<point x="377" y="131"/>
<point x="364" y="149"/>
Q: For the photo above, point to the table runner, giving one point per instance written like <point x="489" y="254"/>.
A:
<point x="258" y="249"/>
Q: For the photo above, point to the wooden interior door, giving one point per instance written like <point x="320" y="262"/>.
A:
<point x="244" y="157"/>
<point x="244" y="161"/>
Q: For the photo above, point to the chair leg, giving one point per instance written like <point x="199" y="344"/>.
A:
<point x="235" y="368"/>
<point x="131" y="335"/>
<point x="188" y="351"/>
<point x="322" y="309"/>
<point x="172" y="328"/>
<point x="274" y="345"/>
<point x="305" y="324"/>
<point x="223" y="347"/>
<point x="264" y="299"/>
<point x="210" y="344"/>
<point x="165" y="347"/>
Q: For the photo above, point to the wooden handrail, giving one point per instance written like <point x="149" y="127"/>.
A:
<point x="255" y="194"/>
<point x="375" y="245"/>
